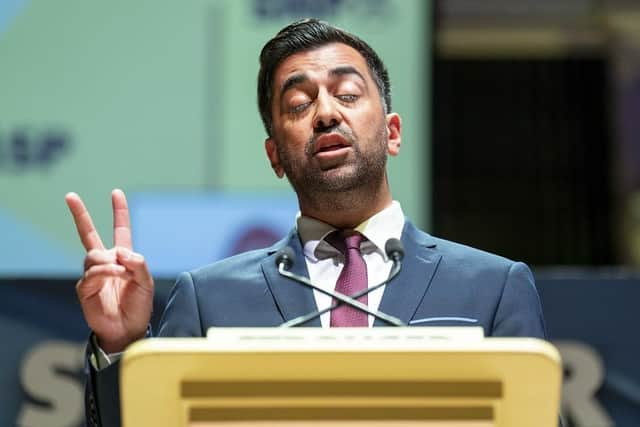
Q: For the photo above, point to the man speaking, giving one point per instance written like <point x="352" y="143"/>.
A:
<point x="325" y="101"/>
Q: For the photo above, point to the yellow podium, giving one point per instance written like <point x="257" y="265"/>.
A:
<point x="313" y="377"/>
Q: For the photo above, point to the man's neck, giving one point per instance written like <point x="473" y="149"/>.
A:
<point x="346" y="211"/>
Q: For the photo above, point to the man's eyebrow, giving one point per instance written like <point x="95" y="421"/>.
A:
<point x="294" y="80"/>
<point x="344" y="70"/>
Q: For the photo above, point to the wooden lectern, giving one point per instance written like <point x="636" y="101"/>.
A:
<point x="314" y="377"/>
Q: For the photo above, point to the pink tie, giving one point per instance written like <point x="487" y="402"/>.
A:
<point x="352" y="279"/>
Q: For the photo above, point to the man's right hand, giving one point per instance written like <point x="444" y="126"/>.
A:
<point x="116" y="290"/>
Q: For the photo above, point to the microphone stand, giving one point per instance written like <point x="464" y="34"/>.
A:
<point x="392" y="320"/>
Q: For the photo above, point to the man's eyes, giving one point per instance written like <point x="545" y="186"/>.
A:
<point x="347" y="97"/>
<point x="299" y="108"/>
<point x="303" y="105"/>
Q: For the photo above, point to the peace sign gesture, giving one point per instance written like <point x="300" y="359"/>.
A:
<point x="116" y="290"/>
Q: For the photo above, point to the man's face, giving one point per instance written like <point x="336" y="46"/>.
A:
<point x="330" y="131"/>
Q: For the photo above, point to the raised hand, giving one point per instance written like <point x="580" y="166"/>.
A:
<point x="116" y="290"/>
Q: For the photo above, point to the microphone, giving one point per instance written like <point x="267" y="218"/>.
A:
<point x="286" y="257"/>
<point x="394" y="250"/>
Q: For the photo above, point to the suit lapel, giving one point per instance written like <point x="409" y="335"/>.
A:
<point x="404" y="293"/>
<point x="292" y="298"/>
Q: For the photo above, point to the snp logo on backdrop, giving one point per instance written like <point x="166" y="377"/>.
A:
<point x="288" y="9"/>
<point x="51" y="375"/>
<point x="26" y="149"/>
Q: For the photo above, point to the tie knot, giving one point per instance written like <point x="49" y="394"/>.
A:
<point x="352" y="239"/>
<point x="339" y="241"/>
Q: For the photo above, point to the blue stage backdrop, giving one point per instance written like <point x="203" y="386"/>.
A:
<point x="590" y="316"/>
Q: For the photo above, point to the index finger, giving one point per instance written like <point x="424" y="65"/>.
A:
<point x="121" y="222"/>
<point x="88" y="235"/>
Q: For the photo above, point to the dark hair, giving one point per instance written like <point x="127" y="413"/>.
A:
<point x="304" y="35"/>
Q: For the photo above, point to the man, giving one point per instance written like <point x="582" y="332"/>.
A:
<point x="325" y="103"/>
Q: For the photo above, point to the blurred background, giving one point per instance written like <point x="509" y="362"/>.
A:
<point x="521" y="121"/>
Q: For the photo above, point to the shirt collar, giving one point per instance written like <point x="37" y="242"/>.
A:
<point x="384" y="225"/>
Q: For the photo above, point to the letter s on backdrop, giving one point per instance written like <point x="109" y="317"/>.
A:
<point x="44" y="377"/>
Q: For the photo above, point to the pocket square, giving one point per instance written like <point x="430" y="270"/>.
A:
<point x="443" y="319"/>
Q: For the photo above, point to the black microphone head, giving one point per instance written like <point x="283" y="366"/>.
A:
<point x="285" y="256"/>
<point x="394" y="249"/>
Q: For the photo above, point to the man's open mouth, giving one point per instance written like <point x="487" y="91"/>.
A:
<point x="330" y="142"/>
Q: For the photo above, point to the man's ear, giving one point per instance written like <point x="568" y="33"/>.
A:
<point x="274" y="158"/>
<point x="394" y="133"/>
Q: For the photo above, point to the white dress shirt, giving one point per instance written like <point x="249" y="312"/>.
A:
<point x="324" y="272"/>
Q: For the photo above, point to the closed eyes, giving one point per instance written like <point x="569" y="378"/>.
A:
<point x="296" y="109"/>
<point x="346" y="98"/>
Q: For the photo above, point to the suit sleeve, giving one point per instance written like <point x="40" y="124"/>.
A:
<point x="519" y="313"/>
<point x="102" y="394"/>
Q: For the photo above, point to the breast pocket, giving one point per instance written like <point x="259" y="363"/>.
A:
<point x="444" y="321"/>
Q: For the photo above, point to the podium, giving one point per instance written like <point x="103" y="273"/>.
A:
<point x="314" y="377"/>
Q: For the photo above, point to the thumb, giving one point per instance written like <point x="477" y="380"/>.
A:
<point x="136" y="264"/>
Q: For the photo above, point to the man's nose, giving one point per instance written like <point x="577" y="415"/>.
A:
<point x="326" y="114"/>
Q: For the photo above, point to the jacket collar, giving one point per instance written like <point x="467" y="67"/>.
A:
<point x="293" y="299"/>
<point x="405" y="292"/>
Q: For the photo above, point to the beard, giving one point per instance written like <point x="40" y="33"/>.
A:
<point x="357" y="178"/>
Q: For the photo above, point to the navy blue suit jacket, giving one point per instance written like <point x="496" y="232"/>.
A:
<point x="441" y="284"/>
